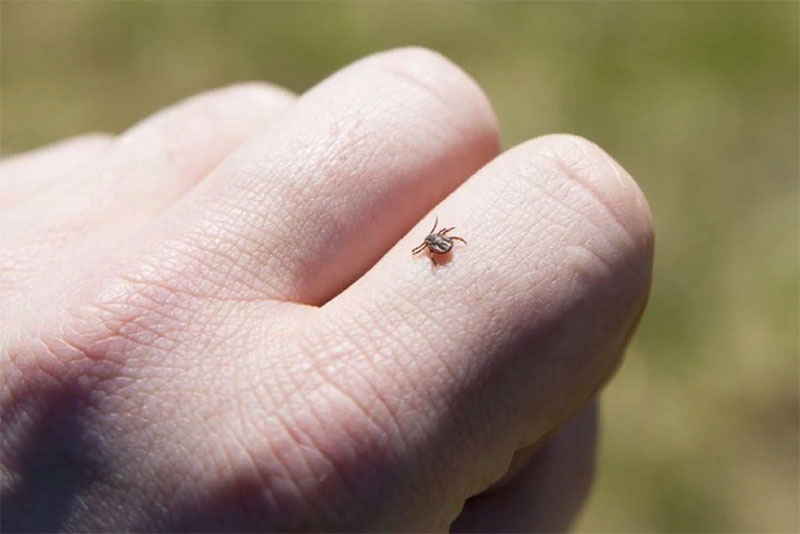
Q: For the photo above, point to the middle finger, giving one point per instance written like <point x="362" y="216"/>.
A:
<point x="301" y="211"/>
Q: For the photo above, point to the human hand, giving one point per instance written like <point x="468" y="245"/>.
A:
<point x="214" y="321"/>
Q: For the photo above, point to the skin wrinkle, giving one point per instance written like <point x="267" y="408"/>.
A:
<point x="268" y="493"/>
<point x="129" y="324"/>
<point x="607" y="161"/>
<point x="165" y="470"/>
<point x="323" y="513"/>
<point x="591" y="251"/>
<point x="212" y="257"/>
<point x="282" y="367"/>
<point x="290" y="388"/>
<point x="288" y="474"/>
<point x="453" y="378"/>
<point x="307" y="499"/>
<point x="335" y="468"/>
<point x="160" y="339"/>
<point x="227" y="339"/>
<point x="446" y="102"/>
<point x="196" y="266"/>
<point x="226" y="230"/>
<point x="68" y="363"/>
<point x="363" y="378"/>
<point x="395" y="433"/>
<point x="162" y="463"/>
<point x="406" y="350"/>
<point x="432" y="320"/>
<point x="405" y="445"/>
<point x="364" y="450"/>
<point x="439" y="130"/>
<point x="579" y="268"/>
<point x="378" y="189"/>
<point x="495" y="348"/>
<point x="208" y="418"/>
<point x="516" y="499"/>
<point x="403" y="404"/>
<point x="322" y="364"/>
<point x="299" y="436"/>
<point x="310" y="452"/>
<point x="402" y="364"/>
<point x="286" y="425"/>
<point x="569" y="173"/>
<point x="408" y="406"/>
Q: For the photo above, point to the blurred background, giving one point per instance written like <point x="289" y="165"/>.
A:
<point x="699" y="101"/>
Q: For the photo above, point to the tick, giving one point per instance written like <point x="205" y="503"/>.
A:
<point x="438" y="242"/>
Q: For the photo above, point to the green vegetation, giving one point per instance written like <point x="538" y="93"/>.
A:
<point x="699" y="101"/>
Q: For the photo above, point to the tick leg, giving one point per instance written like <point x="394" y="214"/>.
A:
<point x="444" y="231"/>
<point x="419" y="248"/>
<point x="458" y="238"/>
<point x="435" y="222"/>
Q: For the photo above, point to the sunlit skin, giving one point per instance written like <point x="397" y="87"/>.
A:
<point x="212" y="321"/>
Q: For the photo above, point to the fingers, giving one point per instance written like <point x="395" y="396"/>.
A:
<point x="487" y="353"/>
<point x="549" y="489"/>
<point x="24" y="175"/>
<point x="177" y="147"/>
<point x="69" y="230"/>
<point x="311" y="204"/>
<point x="146" y="168"/>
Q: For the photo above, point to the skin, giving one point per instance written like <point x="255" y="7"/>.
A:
<point x="174" y="357"/>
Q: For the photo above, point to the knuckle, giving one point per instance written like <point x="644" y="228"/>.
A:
<point x="242" y="95"/>
<point x="414" y="58"/>
<point x="256" y="91"/>
<point x="217" y="108"/>
<point x="89" y="140"/>
<point x="446" y="84"/>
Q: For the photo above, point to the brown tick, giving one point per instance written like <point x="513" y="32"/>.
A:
<point x="438" y="242"/>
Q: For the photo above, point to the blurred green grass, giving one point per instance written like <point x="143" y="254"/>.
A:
<point x="699" y="101"/>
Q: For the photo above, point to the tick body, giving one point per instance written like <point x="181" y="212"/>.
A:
<point x="438" y="242"/>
